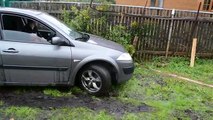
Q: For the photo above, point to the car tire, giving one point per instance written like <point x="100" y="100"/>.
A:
<point x="95" y="80"/>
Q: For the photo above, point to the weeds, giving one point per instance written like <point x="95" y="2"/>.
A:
<point x="169" y="97"/>
<point x="62" y="93"/>
<point x="27" y="113"/>
<point x="21" y="113"/>
<point x="90" y="21"/>
<point x="78" y="114"/>
<point x="57" y="93"/>
<point x="1" y="103"/>
<point x="202" y="71"/>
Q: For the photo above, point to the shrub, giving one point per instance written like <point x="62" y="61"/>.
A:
<point x="90" y="21"/>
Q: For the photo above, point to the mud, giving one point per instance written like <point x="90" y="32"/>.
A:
<point x="35" y="98"/>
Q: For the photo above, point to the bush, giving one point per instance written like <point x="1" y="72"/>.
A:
<point x="90" y="21"/>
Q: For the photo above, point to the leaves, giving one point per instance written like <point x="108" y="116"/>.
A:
<point x="90" y="21"/>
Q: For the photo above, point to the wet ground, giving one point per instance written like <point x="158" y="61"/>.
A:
<point x="36" y="98"/>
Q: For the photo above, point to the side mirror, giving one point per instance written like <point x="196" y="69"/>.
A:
<point x="57" y="41"/>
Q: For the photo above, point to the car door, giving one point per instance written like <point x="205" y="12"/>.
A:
<point x="2" y="76"/>
<point x="30" y="59"/>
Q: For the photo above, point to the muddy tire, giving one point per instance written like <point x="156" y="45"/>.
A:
<point x="95" y="80"/>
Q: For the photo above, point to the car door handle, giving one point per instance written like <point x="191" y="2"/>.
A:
<point x="11" y="50"/>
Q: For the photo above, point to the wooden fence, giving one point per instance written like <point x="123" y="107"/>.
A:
<point x="157" y="25"/>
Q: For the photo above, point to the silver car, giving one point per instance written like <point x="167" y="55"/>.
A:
<point x="36" y="49"/>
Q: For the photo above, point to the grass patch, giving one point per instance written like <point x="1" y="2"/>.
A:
<point x="1" y="103"/>
<point x="139" y="116"/>
<point x="27" y="113"/>
<point x="202" y="71"/>
<point x="56" y="93"/>
<point x="20" y="113"/>
<point x="20" y="91"/>
<point x="76" y="90"/>
<point x="170" y="97"/>
<point x="62" y="93"/>
<point x="79" y="114"/>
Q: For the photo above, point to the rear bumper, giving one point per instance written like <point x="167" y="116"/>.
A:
<point x="126" y="70"/>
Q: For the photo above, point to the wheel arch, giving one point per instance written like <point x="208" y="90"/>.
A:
<point x="109" y="64"/>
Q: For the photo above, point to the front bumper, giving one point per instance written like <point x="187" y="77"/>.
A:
<point x="126" y="70"/>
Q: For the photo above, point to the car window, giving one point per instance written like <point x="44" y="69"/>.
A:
<point x="22" y="29"/>
<point x="42" y="27"/>
<point x="12" y="23"/>
<point x="69" y="31"/>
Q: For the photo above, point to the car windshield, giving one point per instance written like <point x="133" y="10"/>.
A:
<point x="68" y="30"/>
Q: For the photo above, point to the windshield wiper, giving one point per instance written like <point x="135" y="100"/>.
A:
<point x="83" y="37"/>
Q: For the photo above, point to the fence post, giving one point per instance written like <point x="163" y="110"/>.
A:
<point x="170" y="33"/>
<point x="193" y="53"/>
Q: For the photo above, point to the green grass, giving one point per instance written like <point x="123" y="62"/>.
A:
<point x="56" y="93"/>
<point x="64" y="93"/>
<point x="170" y="98"/>
<point x="79" y="114"/>
<point x="1" y="103"/>
<point x="27" y="113"/>
<point x="202" y="71"/>
<point x="20" y="113"/>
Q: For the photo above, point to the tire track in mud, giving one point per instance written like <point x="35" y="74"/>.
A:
<point x="37" y="99"/>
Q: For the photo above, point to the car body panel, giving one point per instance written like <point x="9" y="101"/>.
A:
<point x="2" y="75"/>
<point x="42" y="63"/>
<point x="105" y="43"/>
<point x="47" y="64"/>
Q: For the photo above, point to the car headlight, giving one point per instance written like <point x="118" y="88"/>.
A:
<point x="125" y="57"/>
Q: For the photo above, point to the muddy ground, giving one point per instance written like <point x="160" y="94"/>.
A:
<point x="36" y="98"/>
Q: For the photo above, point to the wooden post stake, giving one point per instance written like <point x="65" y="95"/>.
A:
<point x="193" y="53"/>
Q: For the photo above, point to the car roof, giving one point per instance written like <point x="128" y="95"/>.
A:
<point x="18" y="10"/>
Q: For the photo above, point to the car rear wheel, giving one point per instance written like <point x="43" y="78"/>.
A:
<point x="96" y="80"/>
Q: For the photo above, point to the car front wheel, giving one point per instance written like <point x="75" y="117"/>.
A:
<point x="96" y="80"/>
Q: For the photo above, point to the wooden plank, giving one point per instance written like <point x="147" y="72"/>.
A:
<point x="193" y="53"/>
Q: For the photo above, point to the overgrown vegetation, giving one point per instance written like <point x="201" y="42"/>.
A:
<point x="1" y="103"/>
<point x="63" y="93"/>
<point x="20" y="113"/>
<point x="100" y="23"/>
<point x="90" y="21"/>
<point x="202" y="71"/>
<point x="170" y="97"/>
<point x="56" y="93"/>
<point x="27" y="113"/>
<point x="79" y="114"/>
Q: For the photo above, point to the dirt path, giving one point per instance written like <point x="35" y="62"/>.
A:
<point x="37" y="99"/>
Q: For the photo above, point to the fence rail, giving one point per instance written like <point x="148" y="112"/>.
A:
<point x="156" y="23"/>
<point x="56" y="6"/>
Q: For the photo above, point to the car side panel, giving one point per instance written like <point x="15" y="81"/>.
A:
<point x="2" y="75"/>
<point x="84" y="53"/>
<point x="36" y="63"/>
